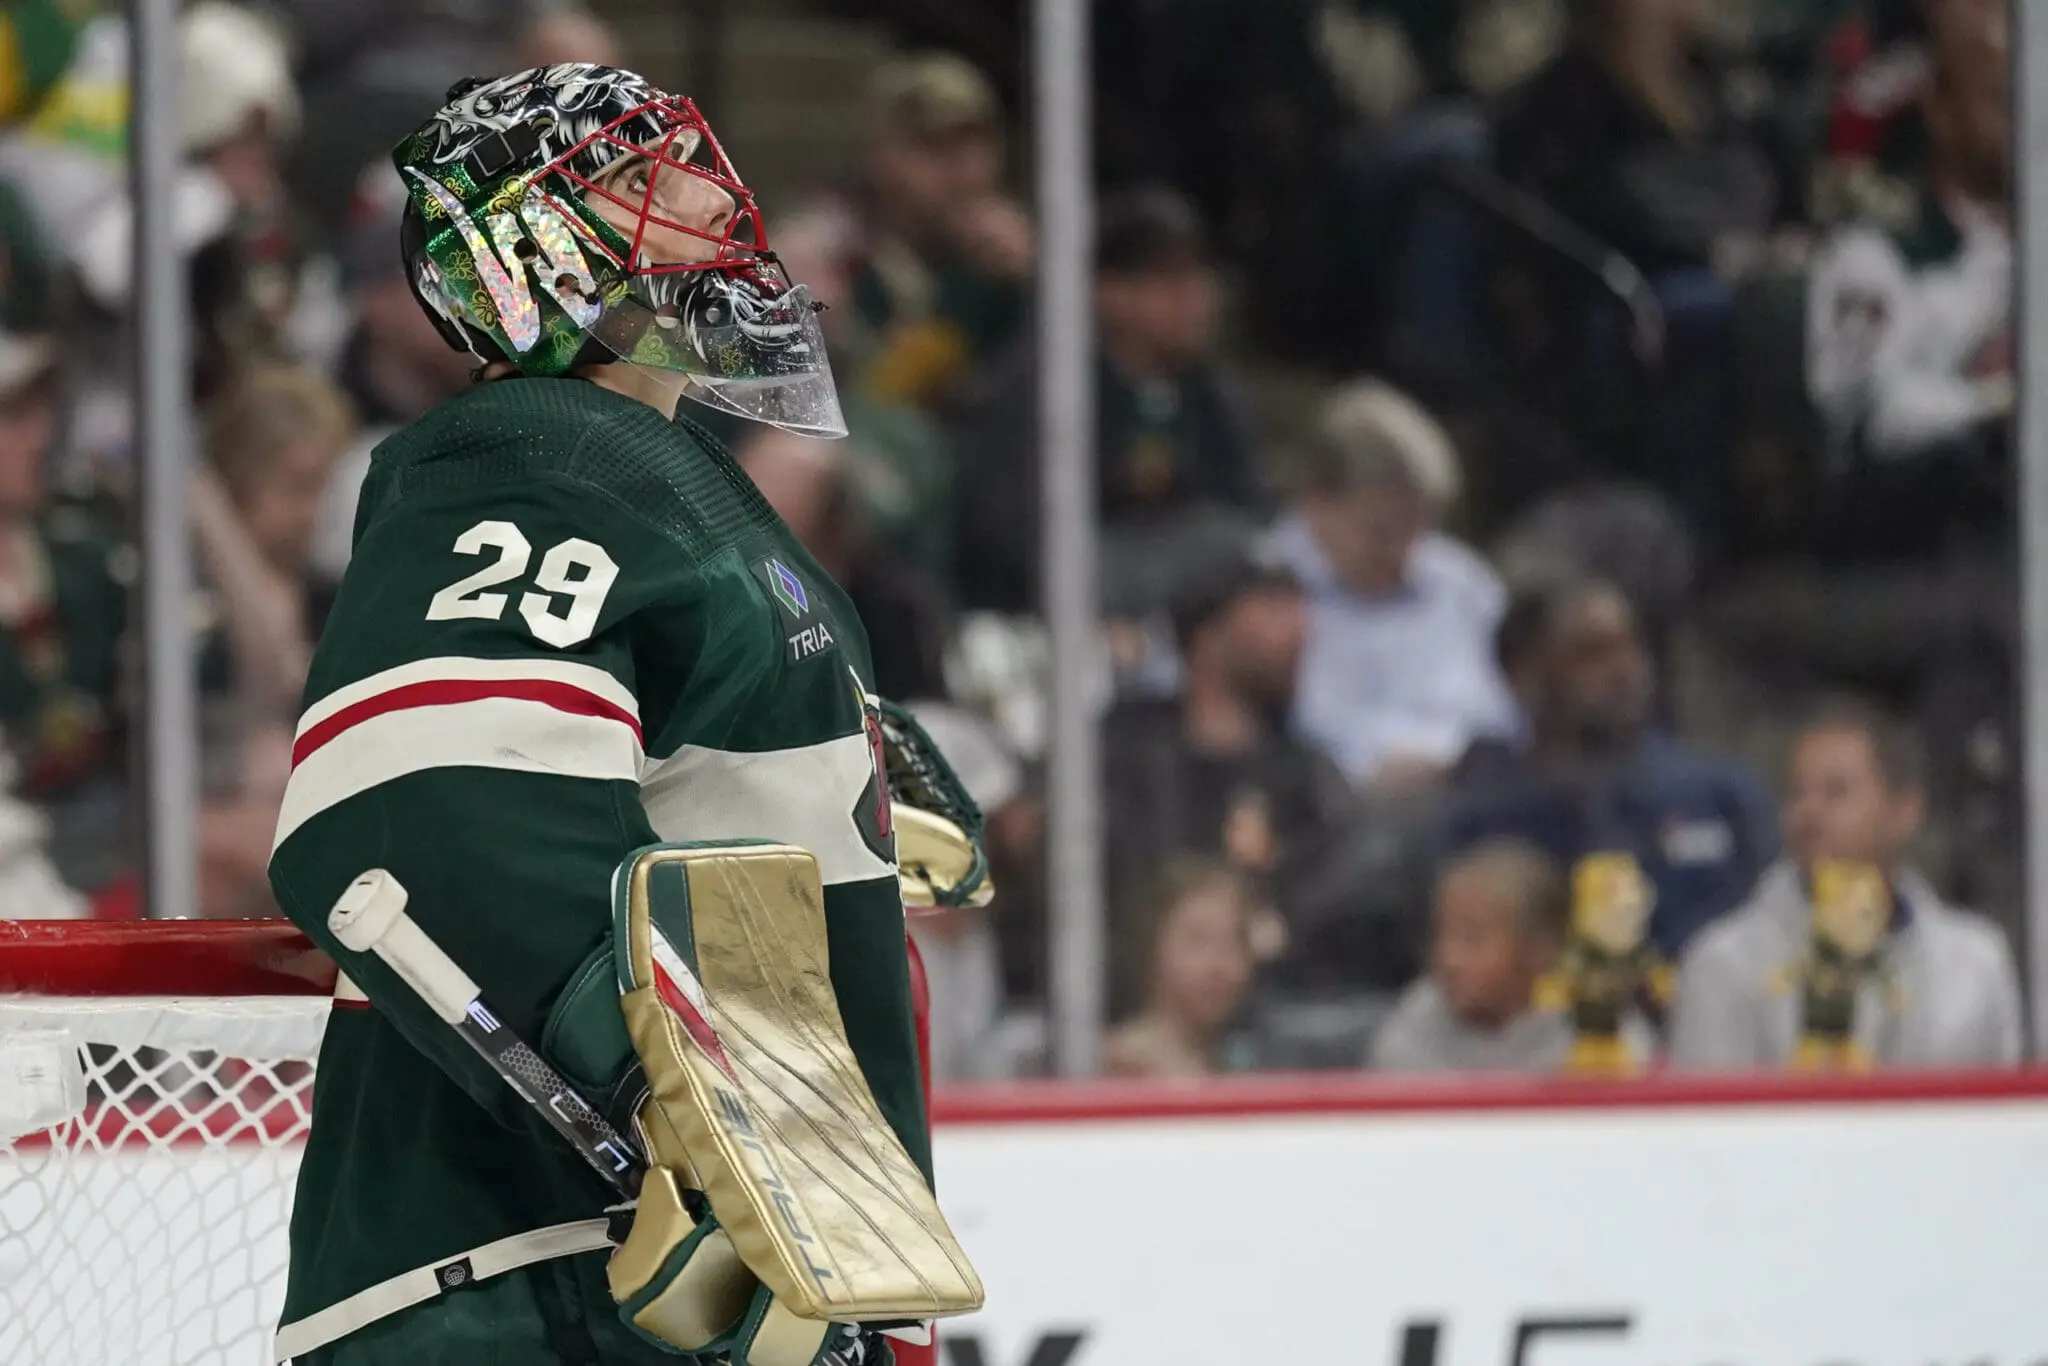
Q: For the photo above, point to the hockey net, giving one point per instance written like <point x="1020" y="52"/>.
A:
<point x="155" y="1088"/>
<point x="156" y="1083"/>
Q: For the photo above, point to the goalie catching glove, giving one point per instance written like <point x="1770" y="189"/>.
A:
<point x="779" y="1209"/>
<point x="939" y="828"/>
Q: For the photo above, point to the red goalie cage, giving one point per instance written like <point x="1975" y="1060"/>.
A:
<point x="156" y="1082"/>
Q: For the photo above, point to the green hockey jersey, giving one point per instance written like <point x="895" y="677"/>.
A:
<point x="570" y="628"/>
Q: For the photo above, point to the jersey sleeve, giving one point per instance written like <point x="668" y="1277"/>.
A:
<point x="476" y="711"/>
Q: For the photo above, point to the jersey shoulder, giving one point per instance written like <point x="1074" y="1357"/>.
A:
<point x="672" y="476"/>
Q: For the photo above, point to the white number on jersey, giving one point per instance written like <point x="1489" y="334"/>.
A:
<point x="577" y="569"/>
<point x="460" y="600"/>
<point x="585" y="592"/>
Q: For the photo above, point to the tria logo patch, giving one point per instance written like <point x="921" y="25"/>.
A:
<point x="812" y="640"/>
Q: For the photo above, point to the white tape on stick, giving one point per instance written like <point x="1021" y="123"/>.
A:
<point x="370" y="917"/>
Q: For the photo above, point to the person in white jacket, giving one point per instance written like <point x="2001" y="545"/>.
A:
<point x="1940" y="988"/>
<point x="1909" y="303"/>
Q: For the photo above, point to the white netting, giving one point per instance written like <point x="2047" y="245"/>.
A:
<point x="148" y="1228"/>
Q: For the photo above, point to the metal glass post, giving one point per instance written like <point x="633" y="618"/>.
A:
<point x="1066" y="442"/>
<point x="163" y="441"/>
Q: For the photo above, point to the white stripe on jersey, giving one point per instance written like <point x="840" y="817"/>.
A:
<point x="517" y="733"/>
<point x="807" y="796"/>
<point x="590" y="679"/>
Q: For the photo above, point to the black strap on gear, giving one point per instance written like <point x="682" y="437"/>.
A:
<point x="505" y="148"/>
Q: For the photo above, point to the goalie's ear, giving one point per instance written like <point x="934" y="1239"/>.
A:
<point x="448" y="315"/>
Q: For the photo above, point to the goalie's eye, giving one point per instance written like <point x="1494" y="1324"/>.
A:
<point x="631" y="179"/>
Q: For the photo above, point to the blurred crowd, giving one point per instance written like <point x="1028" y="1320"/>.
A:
<point x="1554" y="468"/>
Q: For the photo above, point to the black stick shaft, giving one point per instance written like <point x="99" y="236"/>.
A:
<point x="609" y="1153"/>
<point x="369" y="917"/>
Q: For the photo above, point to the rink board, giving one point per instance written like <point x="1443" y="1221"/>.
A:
<point x="1306" y="1223"/>
<point x="1693" y="1227"/>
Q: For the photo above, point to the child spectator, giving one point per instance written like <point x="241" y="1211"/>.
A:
<point x="1500" y="916"/>
<point x="1796" y="976"/>
<point x="1201" y="968"/>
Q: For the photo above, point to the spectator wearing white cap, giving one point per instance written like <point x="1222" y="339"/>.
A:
<point x="237" y="108"/>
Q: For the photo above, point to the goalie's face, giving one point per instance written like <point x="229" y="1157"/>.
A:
<point x="657" y="176"/>
<point x="674" y="214"/>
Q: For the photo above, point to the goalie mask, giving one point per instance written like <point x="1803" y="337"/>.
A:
<point x="574" y="214"/>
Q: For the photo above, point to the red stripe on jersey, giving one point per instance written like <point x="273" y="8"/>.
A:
<point x="438" y="692"/>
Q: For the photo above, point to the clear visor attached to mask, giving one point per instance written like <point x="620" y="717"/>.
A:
<point x="729" y="343"/>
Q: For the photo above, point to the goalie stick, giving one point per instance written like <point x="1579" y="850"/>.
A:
<point x="369" y="917"/>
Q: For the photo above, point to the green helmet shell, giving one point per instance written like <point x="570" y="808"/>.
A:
<point x="501" y="249"/>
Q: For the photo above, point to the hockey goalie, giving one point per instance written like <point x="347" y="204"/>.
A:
<point x="588" y="700"/>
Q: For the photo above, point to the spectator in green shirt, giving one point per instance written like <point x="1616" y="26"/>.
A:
<point x="1173" y="443"/>
<point x="946" y="253"/>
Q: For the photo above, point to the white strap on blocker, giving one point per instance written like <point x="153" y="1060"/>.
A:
<point x="424" y="1283"/>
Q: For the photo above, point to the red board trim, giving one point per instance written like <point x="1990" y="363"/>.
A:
<point x="161" y="958"/>
<point x="1326" y="1094"/>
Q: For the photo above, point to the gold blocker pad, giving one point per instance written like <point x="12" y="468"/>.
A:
<point x="728" y="997"/>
